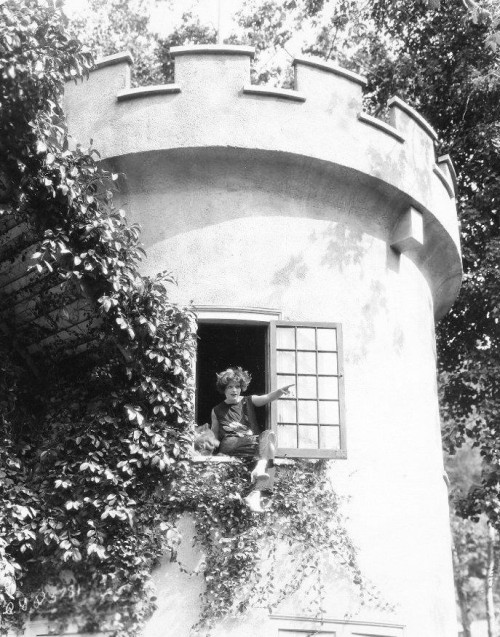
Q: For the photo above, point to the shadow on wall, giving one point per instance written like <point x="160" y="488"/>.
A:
<point x="390" y="163"/>
<point x="345" y="246"/>
<point x="367" y="334"/>
<point x="340" y="247"/>
<point x="296" y="268"/>
<point x="386" y="163"/>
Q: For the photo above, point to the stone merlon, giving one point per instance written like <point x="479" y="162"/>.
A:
<point x="320" y="124"/>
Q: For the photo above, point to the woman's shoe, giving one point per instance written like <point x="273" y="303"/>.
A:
<point x="253" y="502"/>
<point x="259" y="471"/>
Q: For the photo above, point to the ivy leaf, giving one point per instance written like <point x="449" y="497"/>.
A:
<point x="134" y="414"/>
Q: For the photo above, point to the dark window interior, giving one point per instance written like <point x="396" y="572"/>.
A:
<point x="227" y="345"/>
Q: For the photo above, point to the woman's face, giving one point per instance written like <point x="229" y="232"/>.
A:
<point x="232" y="392"/>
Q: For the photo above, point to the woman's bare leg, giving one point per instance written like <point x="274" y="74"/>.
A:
<point x="263" y="473"/>
<point x="267" y="450"/>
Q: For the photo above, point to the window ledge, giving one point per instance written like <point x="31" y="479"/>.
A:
<point x="218" y="459"/>
<point x="283" y="462"/>
<point x="312" y="454"/>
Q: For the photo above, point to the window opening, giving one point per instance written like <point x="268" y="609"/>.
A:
<point x="223" y="345"/>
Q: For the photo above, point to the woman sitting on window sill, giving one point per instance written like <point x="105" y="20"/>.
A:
<point x="235" y="426"/>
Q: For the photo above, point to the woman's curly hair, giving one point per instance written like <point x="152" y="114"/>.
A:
<point x="233" y="375"/>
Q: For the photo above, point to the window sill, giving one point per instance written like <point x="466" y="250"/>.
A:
<point x="220" y="459"/>
<point x="214" y="459"/>
<point x="313" y="454"/>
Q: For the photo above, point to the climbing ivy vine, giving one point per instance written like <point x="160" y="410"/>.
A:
<point x="261" y="560"/>
<point x="95" y="447"/>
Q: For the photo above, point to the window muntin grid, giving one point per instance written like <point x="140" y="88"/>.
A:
<point x="308" y="356"/>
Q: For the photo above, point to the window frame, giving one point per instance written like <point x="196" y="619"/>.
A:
<point x="341" y="452"/>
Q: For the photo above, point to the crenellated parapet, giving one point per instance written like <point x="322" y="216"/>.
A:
<point x="213" y="105"/>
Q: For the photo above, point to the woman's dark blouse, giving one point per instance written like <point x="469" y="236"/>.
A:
<point x="237" y="419"/>
<point x="238" y="428"/>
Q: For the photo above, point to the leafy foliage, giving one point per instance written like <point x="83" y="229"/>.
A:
<point x="281" y="30"/>
<point x="243" y="552"/>
<point x="84" y="441"/>
<point x="108" y="27"/>
<point x="31" y="85"/>
<point x="471" y="555"/>
<point x="469" y="565"/>
<point x="92" y="461"/>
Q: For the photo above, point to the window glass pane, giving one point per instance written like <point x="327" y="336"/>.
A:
<point x="329" y="412"/>
<point x="284" y="380"/>
<point x="308" y="411"/>
<point x="287" y="436"/>
<point x="306" y="338"/>
<point x="285" y="338"/>
<point x="327" y="339"/>
<point x="285" y="362"/>
<point x="306" y="362"/>
<point x="328" y="387"/>
<point x="287" y="411"/>
<point x="327" y="363"/>
<point x="306" y="387"/>
<point x="308" y="437"/>
<point x="329" y="438"/>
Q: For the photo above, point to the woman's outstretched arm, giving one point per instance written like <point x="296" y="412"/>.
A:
<point x="259" y="401"/>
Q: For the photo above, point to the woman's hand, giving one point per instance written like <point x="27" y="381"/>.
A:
<point x="259" y="401"/>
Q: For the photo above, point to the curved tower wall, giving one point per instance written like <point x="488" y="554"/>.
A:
<point x="299" y="203"/>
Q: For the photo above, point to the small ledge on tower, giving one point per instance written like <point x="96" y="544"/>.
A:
<point x="111" y="60"/>
<point x="147" y="91"/>
<point x="446" y="165"/>
<point x="330" y="67"/>
<point x="270" y="91"/>
<point x="212" y="49"/>
<point x="396" y="102"/>
<point x="439" y="173"/>
<point x="381" y="125"/>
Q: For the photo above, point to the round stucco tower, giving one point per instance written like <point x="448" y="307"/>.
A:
<point x="287" y="214"/>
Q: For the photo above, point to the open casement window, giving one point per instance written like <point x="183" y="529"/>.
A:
<point x="311" y="423"/>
